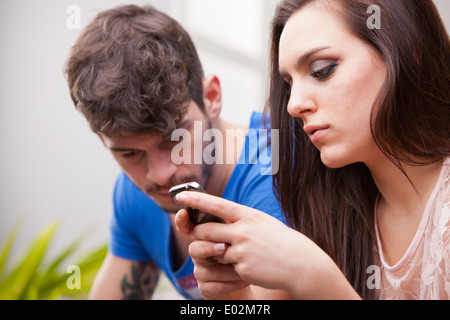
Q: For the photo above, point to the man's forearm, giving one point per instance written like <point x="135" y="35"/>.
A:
<point x="141" y="282"/>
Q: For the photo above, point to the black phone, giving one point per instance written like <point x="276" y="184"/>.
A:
<point x="197" y="217"/>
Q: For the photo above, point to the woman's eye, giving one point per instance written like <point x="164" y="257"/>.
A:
<point x="323" y="73"/>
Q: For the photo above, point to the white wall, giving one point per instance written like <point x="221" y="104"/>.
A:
<point x="52" y="167"/>
<point x="444" y="9"/>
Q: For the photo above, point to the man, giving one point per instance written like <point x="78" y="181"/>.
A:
<point x="135" y="75"/>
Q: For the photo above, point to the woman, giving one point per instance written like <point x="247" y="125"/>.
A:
<point x="364" y="175"/>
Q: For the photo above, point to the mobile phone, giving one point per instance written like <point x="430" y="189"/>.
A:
<point x="196" y="216"/>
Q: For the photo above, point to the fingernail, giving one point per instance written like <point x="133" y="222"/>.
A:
<point x="219" y="247"/>
<point x="181" y="197"/>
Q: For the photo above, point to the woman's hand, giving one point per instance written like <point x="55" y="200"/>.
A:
<point x="215" y="280"/>
<point x="253" y="247"/>
<point x="246" y="248"/>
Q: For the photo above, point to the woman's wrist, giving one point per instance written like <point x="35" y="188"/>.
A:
<point x="314" y="275"/>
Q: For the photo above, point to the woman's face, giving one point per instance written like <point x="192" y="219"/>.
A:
<point x="334" y="79"/>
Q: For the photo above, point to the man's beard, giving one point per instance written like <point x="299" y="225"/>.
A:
<point x="203" y="180"/>
<point x="172" y="182"/>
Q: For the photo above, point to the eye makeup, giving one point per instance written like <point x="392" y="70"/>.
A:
<point x="323" y="69"/>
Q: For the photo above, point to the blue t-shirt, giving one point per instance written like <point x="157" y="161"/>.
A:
<point x="141" y="230"/>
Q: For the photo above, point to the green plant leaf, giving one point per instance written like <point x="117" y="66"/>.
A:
<point x="52" y="277"/>
<point x="89" y="265"/>
<point x="7" y="247"/>
<point x="34" y="278"/>
<point x="15" y="285"/>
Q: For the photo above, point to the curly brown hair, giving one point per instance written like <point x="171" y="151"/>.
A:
<point x="134" y="69"/>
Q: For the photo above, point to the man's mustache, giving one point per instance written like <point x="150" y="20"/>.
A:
<point x="170" y="184"/>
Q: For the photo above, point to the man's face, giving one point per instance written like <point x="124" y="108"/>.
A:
<point x="146" y="159"/>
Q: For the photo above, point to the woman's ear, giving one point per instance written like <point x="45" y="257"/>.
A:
<point x="212" y="95"/>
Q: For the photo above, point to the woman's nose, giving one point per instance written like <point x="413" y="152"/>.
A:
<point x="300" y="104"/>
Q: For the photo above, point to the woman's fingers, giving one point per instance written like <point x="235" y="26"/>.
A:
<point x="227" y="210"/>
<point x="214" y="232"/>
<point x="183" y="223"/>
<point x="205" y="249"/>
<point x="209" y="271"/>
<point x="217" y="232"/>
<point x="215" y="279"/>
<point x="220" y="290"/>
<point x="209" y="262"/>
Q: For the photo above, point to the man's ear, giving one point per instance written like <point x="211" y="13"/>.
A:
<point x="212" y="96"/>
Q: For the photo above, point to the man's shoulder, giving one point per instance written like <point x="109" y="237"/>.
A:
<point x="124" y="186"/>
<point x="128" y="195"/>
<point x="259" y="120"/>
<point x="255" y="158"/>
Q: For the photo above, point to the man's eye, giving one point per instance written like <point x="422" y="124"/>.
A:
<point x="128" y="154"/>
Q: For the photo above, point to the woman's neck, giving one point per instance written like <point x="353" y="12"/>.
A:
<point x="401" y="194"/>
<point x="402" y="203"/>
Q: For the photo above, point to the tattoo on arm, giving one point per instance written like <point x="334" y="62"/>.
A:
<point x="141" y="282"/>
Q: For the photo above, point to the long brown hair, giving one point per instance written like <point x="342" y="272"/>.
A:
<point x="335" y="207"/>
<point x="134" y="69"/>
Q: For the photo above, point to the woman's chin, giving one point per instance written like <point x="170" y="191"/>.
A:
<point x="334" y="161"/>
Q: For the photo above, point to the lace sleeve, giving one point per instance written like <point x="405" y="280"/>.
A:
<point x="435" y="278"/>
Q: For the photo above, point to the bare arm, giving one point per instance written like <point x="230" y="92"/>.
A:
<point x="259" y="293"/>
<point x="120" y="278"/>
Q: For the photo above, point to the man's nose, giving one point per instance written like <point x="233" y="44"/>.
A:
<point x="160" y="168"/>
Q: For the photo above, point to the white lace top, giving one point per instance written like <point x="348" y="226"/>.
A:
<point x="424" y="270"/>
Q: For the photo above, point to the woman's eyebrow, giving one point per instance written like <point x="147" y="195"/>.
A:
<point x="304" y="57"/>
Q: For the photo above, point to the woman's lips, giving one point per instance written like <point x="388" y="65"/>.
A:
<point x="315" y="132"/>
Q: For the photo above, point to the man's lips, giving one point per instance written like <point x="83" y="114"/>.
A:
<point x="315" y="131"/>
<point x="162" y="193"/>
